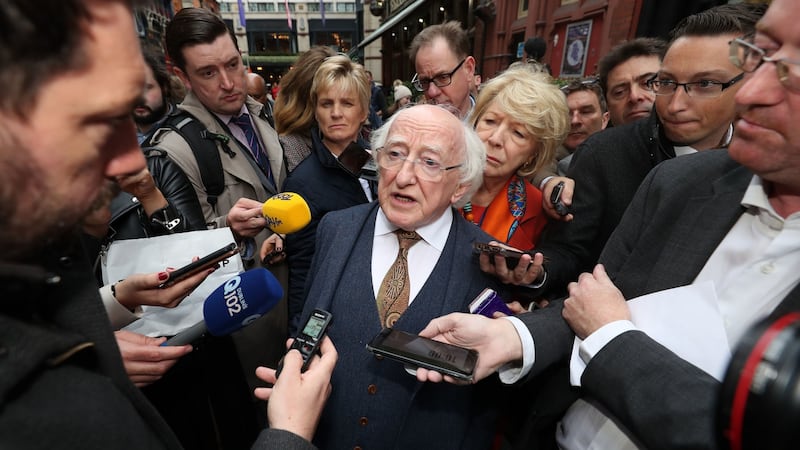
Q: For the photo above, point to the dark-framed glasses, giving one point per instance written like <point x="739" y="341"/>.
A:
<point x="425" y="168"/>
<point x="441" y="80"/>
<point x="700" y="89"/>
<point x="746" y="56"/>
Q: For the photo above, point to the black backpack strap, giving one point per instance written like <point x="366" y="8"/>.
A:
<point x="204" y="147"/>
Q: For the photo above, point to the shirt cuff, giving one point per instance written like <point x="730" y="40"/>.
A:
<point x="537" y="285"/>
<point x="117" y="313"/>
<point x="584" y="351"/>
<point x="544" y="182"/>
<point x="511" y="373"/>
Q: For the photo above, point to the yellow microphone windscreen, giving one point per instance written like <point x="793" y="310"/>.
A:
<point x="286" y="212"/>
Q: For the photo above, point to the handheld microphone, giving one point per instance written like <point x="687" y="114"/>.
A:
<point x="234" y="304"/>
<point x="286" y="212"/>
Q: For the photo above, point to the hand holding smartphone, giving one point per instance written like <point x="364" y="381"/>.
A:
<point x="201" y="264"/>
<point x="555" y="199"/>
<point x="419" y="351"/>
<point x="512" y="256"/>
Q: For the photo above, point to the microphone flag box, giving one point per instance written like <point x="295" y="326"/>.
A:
<point x="487" y="303"/>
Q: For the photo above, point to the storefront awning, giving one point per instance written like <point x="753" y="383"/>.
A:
<point x="390" y="23"/>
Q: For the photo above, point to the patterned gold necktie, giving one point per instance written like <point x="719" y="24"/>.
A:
<point x="393" y="294"/>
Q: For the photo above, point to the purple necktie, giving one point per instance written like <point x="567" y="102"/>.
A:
<point x="244" y="123"/>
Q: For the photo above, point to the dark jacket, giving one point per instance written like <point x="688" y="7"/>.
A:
<point x="375" y="403"/>
<point x="62" y="383"/>
<point x="327" y="186"/>
<point x="608" y="169"/>
<point x="183" y="212"/>
<point x="681" y="214"/>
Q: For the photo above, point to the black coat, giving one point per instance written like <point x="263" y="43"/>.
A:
<point x="608" y="169"/>
<point x="183" y="213"/>
<point x="62" y="383"/>
<point x="327" y="186"/>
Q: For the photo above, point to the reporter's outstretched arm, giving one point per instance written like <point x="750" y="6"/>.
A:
<point x="123" y="299"/>
<point x="296" y="400"/>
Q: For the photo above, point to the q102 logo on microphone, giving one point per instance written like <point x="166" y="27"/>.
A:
<point x="234" y="299"/>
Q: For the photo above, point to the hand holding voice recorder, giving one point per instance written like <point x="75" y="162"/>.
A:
<point x="310" y="338"/>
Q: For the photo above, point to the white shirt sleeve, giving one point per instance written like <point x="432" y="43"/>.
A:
<point x="117" y="314"/>
<point x="587" y="349"/>
<point x="510" y="374"/>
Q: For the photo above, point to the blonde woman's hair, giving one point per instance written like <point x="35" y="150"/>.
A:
<point x="533" y="99"/>
<point x="294" y="112"/>
<point x="339" y="72"/>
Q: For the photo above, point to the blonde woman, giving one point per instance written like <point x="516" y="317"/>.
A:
<point x="522" y="118"/>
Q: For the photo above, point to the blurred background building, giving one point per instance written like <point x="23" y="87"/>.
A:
<point x="377" y="33"/>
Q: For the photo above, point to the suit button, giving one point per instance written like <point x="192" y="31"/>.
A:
<point x="357" y="447"/>
<point x="363" y="421"/>
<point x="372" y="389"/>
<point x="379" y="357"/>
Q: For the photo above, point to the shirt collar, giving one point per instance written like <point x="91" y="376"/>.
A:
<point x="756" y="201"/>
<point x="434" y="233"/>
<point x="226" y="118"/>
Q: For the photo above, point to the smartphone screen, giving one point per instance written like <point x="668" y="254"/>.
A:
<point x="418" y="351"/>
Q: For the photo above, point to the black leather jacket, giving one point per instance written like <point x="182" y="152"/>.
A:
<point x="183" y="212"/>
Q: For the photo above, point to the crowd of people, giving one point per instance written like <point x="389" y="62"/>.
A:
<point x="674" y="168"/>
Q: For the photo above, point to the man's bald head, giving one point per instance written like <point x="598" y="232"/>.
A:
<point x="256" y="87"/>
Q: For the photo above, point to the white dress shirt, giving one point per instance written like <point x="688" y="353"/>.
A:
<point x="422" y="256"/>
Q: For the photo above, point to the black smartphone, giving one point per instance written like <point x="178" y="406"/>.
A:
<point x="555" y="199"/>
<point x="418" y="351"/>
<point x="310" y="338"/>
<point x="512" y="256"/>
<point x="201" y="264"/>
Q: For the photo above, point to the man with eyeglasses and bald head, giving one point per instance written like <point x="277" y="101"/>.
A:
<point x="429" y="161"/>
<point x="694" y="111"/>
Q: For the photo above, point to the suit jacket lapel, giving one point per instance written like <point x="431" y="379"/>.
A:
<point x="343" y="240"/>
<point x="698" y="230"/>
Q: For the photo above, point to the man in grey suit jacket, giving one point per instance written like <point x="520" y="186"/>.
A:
<point x="728" y="217"/>
<point x="428" y="162"/>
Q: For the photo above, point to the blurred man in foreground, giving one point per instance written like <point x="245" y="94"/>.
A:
<point x="63" y="384"/>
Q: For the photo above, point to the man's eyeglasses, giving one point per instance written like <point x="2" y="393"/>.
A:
<point x="700" y="89"/>
<point x="441" y="80"/>
<point x="746" y="56"/>
<point x="427" y="169"/>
